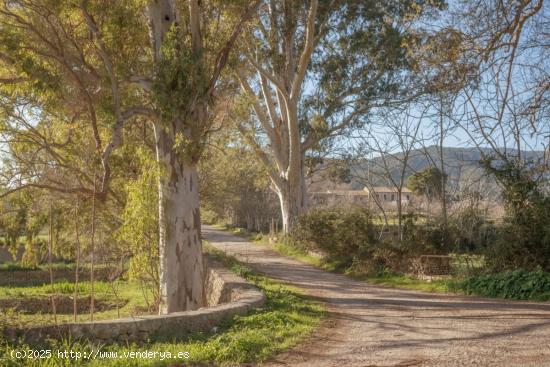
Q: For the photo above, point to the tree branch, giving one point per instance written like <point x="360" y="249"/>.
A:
<point x="306" y="53"/>
<point x="273" y="175"/>
<point x="272" y="78"/>
<point x="221" y="59"/>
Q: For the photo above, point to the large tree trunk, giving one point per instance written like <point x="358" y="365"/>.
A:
<point x="180" y="248"/>
<point x="293" y="199"/>
<point x="278" y="114"/>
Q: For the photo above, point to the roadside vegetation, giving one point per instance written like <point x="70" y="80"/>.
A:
<point x="517" y="284"/>
<point x="468" y="273"/>
<point x="287" y="317"/>
<point x="385" y="277"/>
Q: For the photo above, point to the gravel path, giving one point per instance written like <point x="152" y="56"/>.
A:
<point x="377" y="326"/>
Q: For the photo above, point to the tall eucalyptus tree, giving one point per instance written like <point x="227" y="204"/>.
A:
<point x="75" y="73"/>
<point x="312" y="69"/>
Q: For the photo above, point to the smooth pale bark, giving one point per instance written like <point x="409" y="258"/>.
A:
<point x="280" y="89"/>
<point x="285" y="159"/>
<point x="292" y="197"/>
<point x="180" y="247"/>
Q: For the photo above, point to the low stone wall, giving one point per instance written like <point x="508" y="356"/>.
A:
<point x="227" y="295"/>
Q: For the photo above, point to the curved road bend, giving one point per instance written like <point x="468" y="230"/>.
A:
<point x="377" y="326"/>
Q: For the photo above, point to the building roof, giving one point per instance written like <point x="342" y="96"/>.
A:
<point x="341" y="192"/>
<point x="384" y="189"/>
<point x="364" y="192"/>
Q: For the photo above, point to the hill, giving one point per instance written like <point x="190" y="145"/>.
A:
<point x="462" y="166"/>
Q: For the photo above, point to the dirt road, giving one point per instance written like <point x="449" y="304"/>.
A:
<point x="376" y="326"/>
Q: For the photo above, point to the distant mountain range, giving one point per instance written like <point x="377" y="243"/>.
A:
<point x="462" y="166"/>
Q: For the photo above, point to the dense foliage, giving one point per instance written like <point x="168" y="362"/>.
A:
<point x="518" y="284"/>
<point x="345" y="235"/>
<point x="138" y="235"/>
<point x="524" y="239"/>
<point x="352" y="237"/>
<point x="429" y="182"/>
<point x="233" y="187"/>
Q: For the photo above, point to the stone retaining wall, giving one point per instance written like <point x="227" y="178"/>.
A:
<point x="227" y="295"/>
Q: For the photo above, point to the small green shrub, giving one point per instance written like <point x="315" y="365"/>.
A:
<point x="467" y="265"/>
<point x="15" y="266"/>
<point x="430" y="238"/>
<point x="524" y="238"/>
<point x="470" y="230"/>
<point x="344" y="235"/>
<point x="518" y="284"/>
<point x="209" y="216"/>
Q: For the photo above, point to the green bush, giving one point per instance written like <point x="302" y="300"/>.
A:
<point x="345" y="235"/>
<point x="209" y="216"/>
<point x="15" y="266"/>
<point x="467" y="265"/>
<point x="466" y="231"/>
<point x="518" y="284"/>
<point x="429" y="238"/>
<point x="35" y="249"/>
<point x="524" y="237"/>
<point x="423" y="236"/>
<point x="470" y="230"/>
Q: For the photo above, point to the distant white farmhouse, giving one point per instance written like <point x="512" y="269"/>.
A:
<point x="388" y="194"/>
<point x="380" y="195"/>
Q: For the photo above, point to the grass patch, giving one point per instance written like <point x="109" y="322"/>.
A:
<point x="297" y="253"/>
<point x="286" y="318"/>
<point x="16" y="266"/>
<point x="409" y="282"/>
<point x="63" y="287"/>
<point x="128" y="294"/>
<point x="57" y="266"/>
